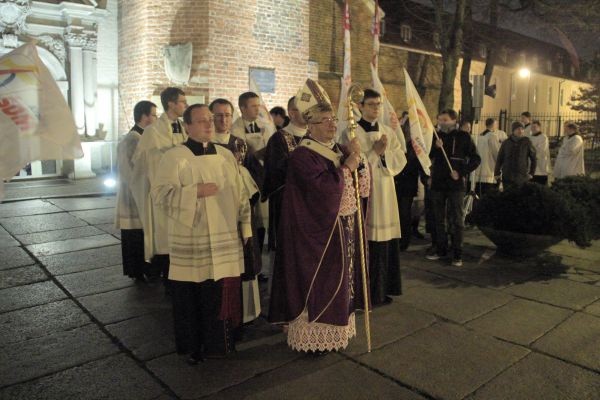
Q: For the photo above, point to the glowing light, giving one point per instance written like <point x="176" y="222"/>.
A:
<point x="110" y="183"/>
<point x="524" y="72"/>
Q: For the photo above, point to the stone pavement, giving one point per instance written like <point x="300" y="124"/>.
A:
<point x="72" y="327"/>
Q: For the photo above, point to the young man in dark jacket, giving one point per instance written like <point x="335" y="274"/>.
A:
<point x="448" y="184"/>
<point x="516" y="159"/>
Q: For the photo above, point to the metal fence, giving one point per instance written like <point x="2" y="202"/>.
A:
<point x="553" y="126"/>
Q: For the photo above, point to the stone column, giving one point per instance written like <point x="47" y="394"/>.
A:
<point x="76" y="42"/>
<point x="90" y="86"/>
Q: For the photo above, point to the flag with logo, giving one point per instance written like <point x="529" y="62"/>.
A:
<point x="421" y="127"/>
<point x="346" y="79"/>
<point x="35" y="120"/>
<point x="388" y="116"/>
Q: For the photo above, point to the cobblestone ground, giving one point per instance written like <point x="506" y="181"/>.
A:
<point x="73" y="327"/>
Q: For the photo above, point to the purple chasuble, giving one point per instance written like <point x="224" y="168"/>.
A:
<point x="311" y="268"/>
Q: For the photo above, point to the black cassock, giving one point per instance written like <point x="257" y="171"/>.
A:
<point x="252" y="259"/>
<point x="206" y="314"/>
<point x="277" y="153"/>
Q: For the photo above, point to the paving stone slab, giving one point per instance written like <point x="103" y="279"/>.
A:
<point x="520" y="321"/>
<point x="40" y="223"/>
<point x="6" y="240"/>
<point x="300" y="368"/>
<point x="489" y="273"/>
<point x="13" y="257"/>
<point x="60" y="234"/>
<point x="82" y="260"/>
<point x="388" y="324"/>
<point x="459" y="304"/>
<point x="94" y="217"/>
<point x="110" y="228"/>
<point x="540" y="377"/>
<point x="412" y="277"/>
<point x="29" y="207"/>
<point x="21" y="276"/>
<point x="565" y="248"/>
<point x="559" y="292"/>
<point x="85" y="203"/>
<point x="16" y="326"/>
<point x="71" y="245"/>
<point x="594" y="309"/>
<point x="115" y="377"/>
<point x="52" y="353"/>
<point x="343" y="380"/>
<point x="446" y="361"/>
<point x="217" y="375"/>
<point x="148" y="336"/>
<point x="29" y="295"/>
<point x="576" y="340"/>
<point x="95" y="281"/>
<point x="119" y="305"/>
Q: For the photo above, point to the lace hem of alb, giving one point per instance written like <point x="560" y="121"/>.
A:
<point x="315" y="336"/>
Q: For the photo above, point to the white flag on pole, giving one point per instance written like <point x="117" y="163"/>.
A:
<point x="389" y="116"/>
<point x="421" y="127"/>
<point x="35" y="120"/>
<point x="346" y="79"/>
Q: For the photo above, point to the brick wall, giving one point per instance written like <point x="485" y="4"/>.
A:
<point x="228" y="37"/>
<point x="326" y="48"/>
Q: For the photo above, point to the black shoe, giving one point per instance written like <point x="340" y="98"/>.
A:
<point x="388" y="300"/>
<point x="418" y="234"/>
<point x="195" y="358"/>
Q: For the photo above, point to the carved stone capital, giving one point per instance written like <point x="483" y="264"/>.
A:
<point x="13" y="14"/>
<point x="55" y="45"/>
<point x="86" y="40"/>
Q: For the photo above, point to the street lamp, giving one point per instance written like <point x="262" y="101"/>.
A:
<point x="524" y="72"/>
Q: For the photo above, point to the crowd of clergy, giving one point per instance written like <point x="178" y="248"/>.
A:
<point x="200" y="192"/>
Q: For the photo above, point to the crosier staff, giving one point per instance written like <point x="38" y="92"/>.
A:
<point x="356" y="91"/>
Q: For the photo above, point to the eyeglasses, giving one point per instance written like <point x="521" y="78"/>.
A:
<point x="222" y="116"/>
<point x="327" y="120"/>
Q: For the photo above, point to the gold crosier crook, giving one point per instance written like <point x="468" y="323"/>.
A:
<point x="356" y="92"/>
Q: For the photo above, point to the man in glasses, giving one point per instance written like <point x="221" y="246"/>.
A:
<point x="316" y="283"/>
<point x="387" y="159"/>
<point x="199" y="187"/>
<point x="222" y="110"/>
<point x="158" y="137"/>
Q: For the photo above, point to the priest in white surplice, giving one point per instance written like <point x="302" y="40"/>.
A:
<point x="127" y="217"/>
<point x="387" y="159"/>
<point x="159" y="137"/>
<point x="570" y="160"/>
<point x="199" y="186"/>
<point x="256" y="133"/>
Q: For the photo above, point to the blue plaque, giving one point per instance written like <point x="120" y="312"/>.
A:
<point x="264" y="79"/>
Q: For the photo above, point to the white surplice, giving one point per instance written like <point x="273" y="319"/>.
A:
<point x="156" y="140"/>
<point x="204" y="234"/>
<point x="569" y="161"/>
<point x="126" y="211"/>
<point x="383" y="222"/>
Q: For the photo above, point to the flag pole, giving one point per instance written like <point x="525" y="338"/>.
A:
<point x="355" y="90"/>
<point x="443" y="152"/>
